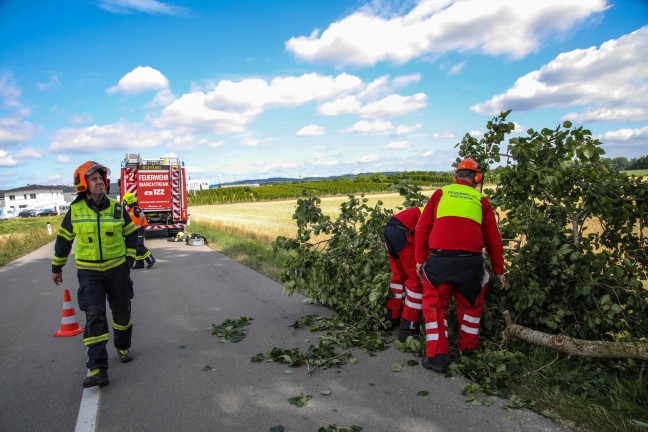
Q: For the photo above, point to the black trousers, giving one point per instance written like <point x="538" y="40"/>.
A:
<point x="95" y="287"/>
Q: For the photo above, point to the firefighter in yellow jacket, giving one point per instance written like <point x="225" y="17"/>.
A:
<point x="139" y="218"/>
<point x="106" y="238"/>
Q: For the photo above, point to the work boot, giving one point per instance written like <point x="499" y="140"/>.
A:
<point x="407" y="328"/>
<point x="138" y="264"/>
<point x="124" y="356"/>
<point x="438" y="363"/>
<point x="97" y="377"/>
<point x="150" y="262"/>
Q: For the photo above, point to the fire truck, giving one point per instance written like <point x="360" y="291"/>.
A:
<point x="160" y="188"/>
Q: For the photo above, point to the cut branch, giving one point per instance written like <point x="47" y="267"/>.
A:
<point x="576" y="347"/>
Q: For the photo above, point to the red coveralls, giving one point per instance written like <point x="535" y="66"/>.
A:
<point x="456" y="243"/>
<point x="405" y="285"/>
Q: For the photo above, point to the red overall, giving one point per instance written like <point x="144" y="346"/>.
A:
<point x="451" y="247"/>
<point x="406" y="290"/>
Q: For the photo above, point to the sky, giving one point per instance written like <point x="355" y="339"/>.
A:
<point x="258" y="89"/>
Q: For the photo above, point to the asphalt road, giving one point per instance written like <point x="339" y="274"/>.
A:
<point x="184" y="379"/>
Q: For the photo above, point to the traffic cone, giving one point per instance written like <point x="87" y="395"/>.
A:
<point x="69" y="325"/>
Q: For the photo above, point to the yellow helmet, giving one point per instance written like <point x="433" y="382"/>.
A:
<point x="129" y="198"/>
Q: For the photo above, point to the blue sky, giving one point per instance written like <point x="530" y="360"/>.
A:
<point x="257" y="89"/>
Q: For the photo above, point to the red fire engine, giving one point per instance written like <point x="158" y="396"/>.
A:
<point x="160" y="188"/>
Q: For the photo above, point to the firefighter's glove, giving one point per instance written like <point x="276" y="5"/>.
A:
<point x="419" y="270"/>
<point x="130" y="262"/>
<point x="502" y="280"/>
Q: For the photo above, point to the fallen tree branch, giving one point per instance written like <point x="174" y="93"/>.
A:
<point x="576" y="347"/>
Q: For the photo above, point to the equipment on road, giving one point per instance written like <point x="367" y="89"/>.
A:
<point x="159" y="187"/>
<point x="69" y="324"/>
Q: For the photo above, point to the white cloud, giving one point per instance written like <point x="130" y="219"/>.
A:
<point x="163" y="98"/>
<point x="118" y="136"/>
<point x="78" y="119"/>
<point x="52" y="84"/>
<point x="311" y="130"/>
<point x="368" y="158"/>
<point x="397" y="145"/>
<point x="7" y="159"/>
<point x="263" y="167"/>
<point x="443" y="135"/>
<point x="404" y="130"/>
<point x="63" y="159"/>
<point x="15" y="130"/>
<point x="139" y="80"/>
<point x="212" y="144"/>
<point x="250" y="142"/>
<point x="378" y="126"/>
<point x="230" y="106"/>
<point x="610" y="82"/>
<point x="626" y="142"/>
<point x="343" y="105"/>
<point x="9" y="91"/>
<point x="55" y="178"/>
<point x="394" y="105"/>
<point x="455" y="69"/>
<point x="494" y="27"/>
<point x="153" y="7"/>
<point x="29" y="153"/>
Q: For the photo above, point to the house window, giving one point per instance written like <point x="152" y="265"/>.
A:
<point x="12" y="197"/>
<point x="32" y="196"/>
<point x="24" y="196"/>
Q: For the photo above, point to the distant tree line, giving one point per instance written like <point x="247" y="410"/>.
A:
<point x="623" y="164"/>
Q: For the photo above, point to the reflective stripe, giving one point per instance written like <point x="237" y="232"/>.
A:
<point x="396" y="286"/>
<point x="396" y="296"/>
<point x="431" y="326"/>
<point x="413" y="305"/>
<point x="68" y="305"/>
<point x="471" y="319"/>
<point x="58" y="261"/>
<point x="121" y="327"/>
<point x="432" y="337"/>
<point x="129" y="229"/>
<point x="82" y="265"/>
<point x="67" y="235"/>
<point x="471" y="330"/>
<point x="96" y="339"/>
<point x="414" y="295"/>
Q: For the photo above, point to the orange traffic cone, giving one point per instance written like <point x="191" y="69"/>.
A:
<point x="69" y="325"/>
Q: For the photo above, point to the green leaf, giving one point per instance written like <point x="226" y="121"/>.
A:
<point x="325" y="392"/>
<point x="277" y="429"/>
<point x="422" y="393"/>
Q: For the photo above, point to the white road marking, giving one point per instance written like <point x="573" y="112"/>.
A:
<point x="89" y="409"/>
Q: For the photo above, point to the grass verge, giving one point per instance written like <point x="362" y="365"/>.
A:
<point x="250" y="249"/>
<point x="20" y="236"/>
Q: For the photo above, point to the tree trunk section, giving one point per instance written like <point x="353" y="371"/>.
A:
<point x="576" y="347"/>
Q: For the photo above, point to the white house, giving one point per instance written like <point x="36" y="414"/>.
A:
<point x="196" y="185"/>
<point x="34" y="197"/>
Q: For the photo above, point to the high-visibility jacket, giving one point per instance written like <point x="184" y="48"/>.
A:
<point x="105" y="236"/>
<point x="137" y="216"/>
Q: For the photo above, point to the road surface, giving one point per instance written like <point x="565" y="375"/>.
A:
<point x="184" y="379"/>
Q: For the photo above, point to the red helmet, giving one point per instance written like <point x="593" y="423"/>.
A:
<point x="85" y="170"/>
<point x="470" y="164"/>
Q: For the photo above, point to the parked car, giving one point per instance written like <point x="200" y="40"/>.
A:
<point x="27" y="213"/>
<point x="48" y="212"/>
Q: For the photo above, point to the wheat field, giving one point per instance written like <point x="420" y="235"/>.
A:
<point x="272" y="219"/>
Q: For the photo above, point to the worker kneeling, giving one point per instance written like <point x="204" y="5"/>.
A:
<point x="455" y="225"/>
